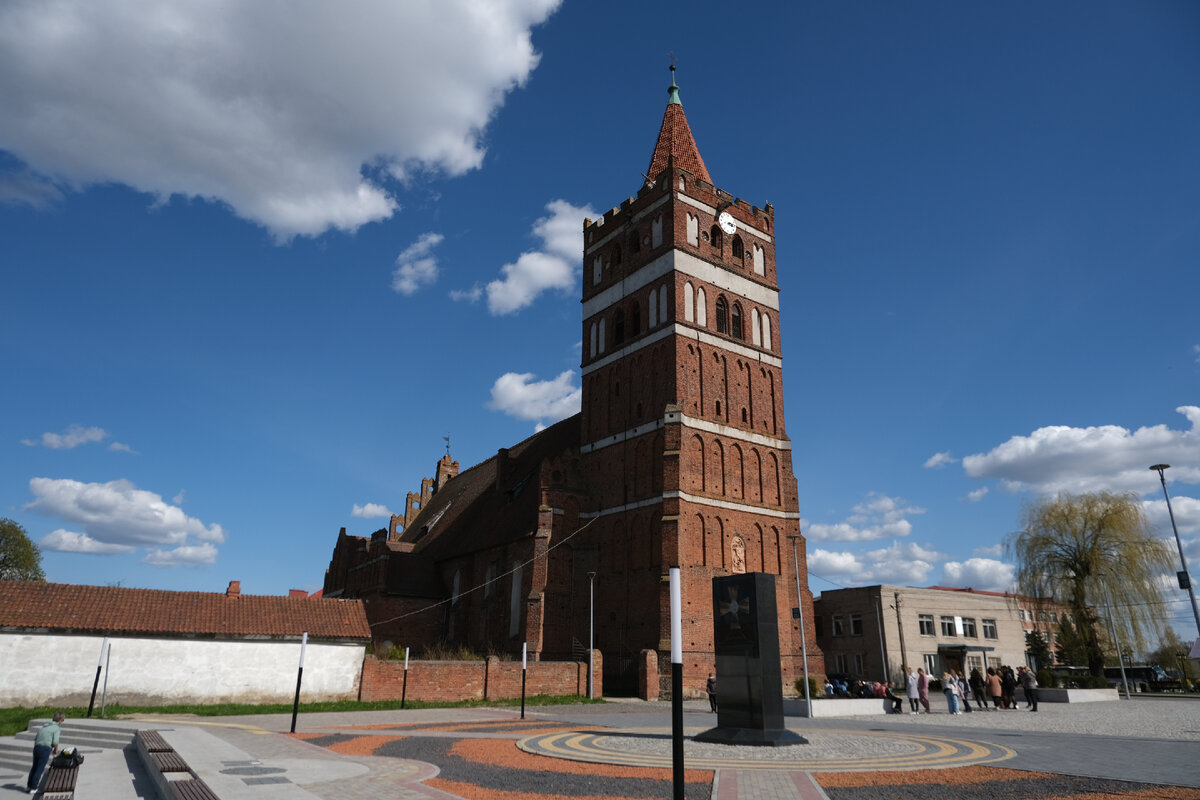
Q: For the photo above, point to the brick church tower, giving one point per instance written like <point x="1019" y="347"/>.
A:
<point x="682" y="426"/>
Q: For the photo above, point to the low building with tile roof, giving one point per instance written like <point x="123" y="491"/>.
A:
<point x="163" y="647"/>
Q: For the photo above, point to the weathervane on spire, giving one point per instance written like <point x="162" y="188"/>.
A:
<point x="446" y="439"/>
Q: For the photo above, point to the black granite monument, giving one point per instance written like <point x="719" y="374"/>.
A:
<point x="749" y="677"/>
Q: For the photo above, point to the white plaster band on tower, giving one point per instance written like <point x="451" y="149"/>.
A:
<point x="717" y="428"/>
<point x="694" y="499"/>
<point x="685" y="264"/>
<point x="679" y="329"/>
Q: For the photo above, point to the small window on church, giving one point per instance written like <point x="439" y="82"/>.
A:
<point x="715" y="237"/>
<point x="616" y="256"/>
<point x="718" y="408"/>
<point x="635" y="242"/>
<point x="722" y="315"/>
<point x="618" y="327"/>
<point x="735" y="322"/>
<point x="744" y="415"/>
<point x="735" y="247"/>
<point x="635" y="320"/>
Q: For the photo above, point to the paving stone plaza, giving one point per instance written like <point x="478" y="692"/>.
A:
<point x="1143" y="749"/>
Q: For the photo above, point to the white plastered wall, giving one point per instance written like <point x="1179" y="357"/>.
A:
<point x="54" y="669"/>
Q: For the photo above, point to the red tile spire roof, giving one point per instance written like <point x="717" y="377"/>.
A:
<point x="675" y="143"/>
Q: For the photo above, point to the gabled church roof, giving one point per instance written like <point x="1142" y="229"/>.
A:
<point x="675" y="143"/>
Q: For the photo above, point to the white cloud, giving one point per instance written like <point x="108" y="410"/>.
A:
<point x="1196" y="350"/>
<point x="370" y="510"/>
<point x="554" y="266"/>
<point x="119" y="515"/>
<point x="1064" y="459"/>
<point x="471" y="295"/>
<point x="989" y="551"/>
<point x="977" y="495"/>
<point x="65" y="541"/>
<point x="199" y="555"/>
<point x="987" y="574"/>
<point x="121" y="447"/>
<point x="294" y="120"/>
<point x="905" y="563"/>
<point x="74" y="436"/>
<point x="880" y="517"/>
<point x="520" y="396"/>
<point x="1187" y="515"/>
<point x="25" y="188"/>
<point x="939" y="460"/>
<point x="415" y="267"/>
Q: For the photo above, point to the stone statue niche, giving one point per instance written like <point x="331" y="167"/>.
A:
<point x="749" y="676"/>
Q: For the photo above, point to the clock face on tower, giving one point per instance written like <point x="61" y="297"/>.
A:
<point x="727" y="222"/>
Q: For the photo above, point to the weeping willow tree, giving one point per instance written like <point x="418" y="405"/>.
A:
<point x="1074" y="546"/>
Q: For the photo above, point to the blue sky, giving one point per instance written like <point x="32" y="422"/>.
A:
<point x="258" y="261"/>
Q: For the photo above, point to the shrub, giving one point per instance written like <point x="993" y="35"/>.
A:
<point x="813" y="690"/>
<point x="1046" y="678"/>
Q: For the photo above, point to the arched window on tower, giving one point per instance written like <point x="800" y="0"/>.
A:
<point x="662" y="304"/>
<point x="593" y="338"/>
<point x="618" y="327"/>
<point x="652" y="309"/>
<point x="714" y="236"/>
<point x="766" y="331"/>
<point x="736" y="250"/>
<point x="689" y="310"/>
<point x="722" y="316"/>
<point x="735" y="321"/>
<point x="755" y="332"/>
<point x="635" y="320"/>
<point x="701" y="308"/>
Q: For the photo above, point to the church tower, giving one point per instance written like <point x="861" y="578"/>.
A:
<point x="682" y="425"/>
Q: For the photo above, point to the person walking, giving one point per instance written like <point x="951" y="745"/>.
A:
<point x="710" y="686"/>
<point x="1008" y="687"/>
<point x="923" y="689"/>
<point x="1030" y="685"/>
<point x="994" y="688"/>
<point x="964" y="698"/>
<point x="950" y="689"/>
<point x="910" y="689"/>
<point x="45" y="744"/>
<point x="977" y="686"/>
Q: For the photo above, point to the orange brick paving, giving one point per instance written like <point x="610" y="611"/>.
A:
<point x="505" y="726"/>
<point x="925" y="777"/>
<point x="471" y="791"/>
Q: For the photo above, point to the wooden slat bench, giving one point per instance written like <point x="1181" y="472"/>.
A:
<point x="160" y="760"/>
<point x="61" y="781"/>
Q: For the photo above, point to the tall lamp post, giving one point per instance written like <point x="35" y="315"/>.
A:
<point x="803" y="637"/>
<point x="591" y="635"/>
<point x="1184" y="578"/>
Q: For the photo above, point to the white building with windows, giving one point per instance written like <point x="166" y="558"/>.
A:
<point x="871" y="631"/>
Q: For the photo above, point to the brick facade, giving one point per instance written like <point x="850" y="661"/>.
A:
<point x="679" y="457"/>
<point x="491" y="679"/>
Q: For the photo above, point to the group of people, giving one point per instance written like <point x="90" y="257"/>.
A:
<point x="999" y="685"/>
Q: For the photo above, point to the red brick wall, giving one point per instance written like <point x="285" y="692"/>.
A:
<point x="474" y="680"/>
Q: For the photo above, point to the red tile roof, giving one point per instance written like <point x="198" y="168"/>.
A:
<point x="113" y="610"/>
<point x="675" y="144"/>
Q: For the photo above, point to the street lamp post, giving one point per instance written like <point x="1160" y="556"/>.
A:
<point x="1183" y="576"/>
<point x="591" y="635"/>
<point x="803" y="636"/>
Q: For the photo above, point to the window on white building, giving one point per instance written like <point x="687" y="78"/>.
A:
<point x="856" y="628"/>
<point x="989" y="629"/>
<point x="835" y="628"/>
<point x="925" y="621"/>
<point x="948" y="626"/>
<point x="969" y="627"/>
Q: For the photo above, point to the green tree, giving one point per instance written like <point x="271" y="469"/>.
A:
<point x="1075" y="546"/>
<point x="1069" y="646"/>
<point x="20" y="559"/>
<point x="1037" y="647"/>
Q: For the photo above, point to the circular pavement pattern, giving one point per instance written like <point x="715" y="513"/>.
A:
<point x="827" y="751"/>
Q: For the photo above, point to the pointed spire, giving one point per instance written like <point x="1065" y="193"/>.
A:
<point x="675" y="145"/>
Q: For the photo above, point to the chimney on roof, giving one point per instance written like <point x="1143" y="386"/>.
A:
<point x="234" y="590"/>
<point x="298" y="593"/>
<point x="501" y="468"/>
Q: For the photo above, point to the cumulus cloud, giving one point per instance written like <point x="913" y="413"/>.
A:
<point x="118" y="517"/>
<point x="65" y="541"/>
<point x="520" y="396"/>
<point x="296" y="121"/>
<point x="471" y="295"/>
<point x="370" y="510"/>
<point x="979" y="573"/>
<point x="989" y="551"/>
<point x="191" y="555"/>
<point x="24" y="188"/>
<point x="74" y="436"/>
<point x="904" y="563"/>
<point x="555" y="265"/>
<point x="879" y="517"/>
<point x="1064" y="459"/>
<point x="977" y="495"/>
<point x="939" y="460"/>
<point x="415" y="266"/>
